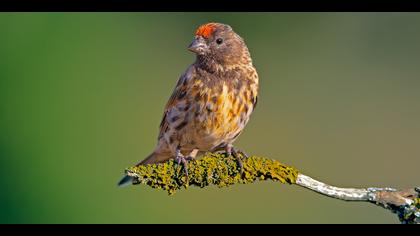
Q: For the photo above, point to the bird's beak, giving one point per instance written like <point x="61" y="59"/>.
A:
<point x="198" y="46"/>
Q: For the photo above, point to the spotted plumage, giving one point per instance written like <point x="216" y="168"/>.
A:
<point x="212" y="100"/>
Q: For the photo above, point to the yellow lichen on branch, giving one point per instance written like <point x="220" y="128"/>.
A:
<point x="222" y="171"/>
<point x="212" y="169"/>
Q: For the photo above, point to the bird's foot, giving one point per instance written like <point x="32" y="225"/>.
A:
<point x="181" y="160"/>
<point x="230" y="150"/>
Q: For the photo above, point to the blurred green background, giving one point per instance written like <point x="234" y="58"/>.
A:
<point x="82" y="95"/>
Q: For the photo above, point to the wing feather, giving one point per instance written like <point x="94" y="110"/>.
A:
<point x="178" y="94"/>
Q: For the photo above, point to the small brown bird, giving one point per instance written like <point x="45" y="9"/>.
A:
<point x="212" y="101"/>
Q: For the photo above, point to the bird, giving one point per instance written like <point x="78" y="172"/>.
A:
<point x="212" y="101"/>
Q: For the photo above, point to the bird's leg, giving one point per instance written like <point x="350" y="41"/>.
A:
<point x="230" y="150"/>
<point x="190" y="157"/>
<point x="184" y="160"/>
<point x="181" y="159"/>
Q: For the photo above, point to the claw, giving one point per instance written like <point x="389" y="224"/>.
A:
<point x="180" y="159"/>
<point x="239" y="160"/>
<point x="184" y="161"/>
<point x="230" y="150"/>
<point x="242" y="153"/>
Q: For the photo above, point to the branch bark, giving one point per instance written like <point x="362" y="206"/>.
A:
<point x="404" y="203"/>
<point x="222" y="171"/>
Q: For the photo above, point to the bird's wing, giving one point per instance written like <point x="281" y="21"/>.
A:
<point x="178" y="95"/>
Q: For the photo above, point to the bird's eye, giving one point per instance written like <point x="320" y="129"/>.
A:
<point x="219" y="41"/>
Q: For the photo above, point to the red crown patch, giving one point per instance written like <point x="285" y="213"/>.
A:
<point x="206" y="30"/>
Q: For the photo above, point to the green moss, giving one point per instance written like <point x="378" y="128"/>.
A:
<point x="212" y="169"/>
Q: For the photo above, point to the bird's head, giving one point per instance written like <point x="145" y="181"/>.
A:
<point x="218" y="43"/>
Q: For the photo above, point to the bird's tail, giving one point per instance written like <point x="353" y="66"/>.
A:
<point x="127" y="180"/>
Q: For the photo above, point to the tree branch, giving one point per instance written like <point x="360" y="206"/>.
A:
<point x="404" y="203"/>
<point x="222" y="171"/>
